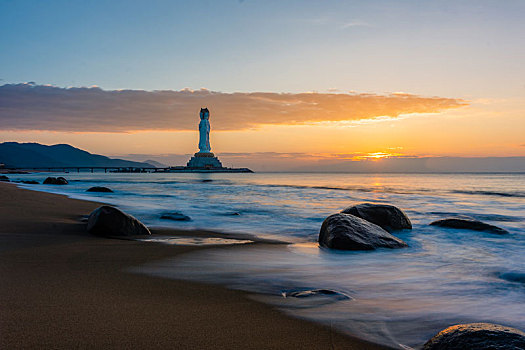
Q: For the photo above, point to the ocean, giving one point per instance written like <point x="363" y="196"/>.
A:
<point x="398" y="297"/>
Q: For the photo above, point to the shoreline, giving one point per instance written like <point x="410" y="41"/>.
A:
<point x="63" y="288"/>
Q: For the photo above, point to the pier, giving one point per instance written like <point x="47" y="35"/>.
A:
<point x="173" y="169"/>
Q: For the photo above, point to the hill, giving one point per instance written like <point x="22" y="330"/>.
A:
<point x="155" y="163"/>
<point x="34" y="155"/>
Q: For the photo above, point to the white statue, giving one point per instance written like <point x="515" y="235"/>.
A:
<point x="204" y="131"/>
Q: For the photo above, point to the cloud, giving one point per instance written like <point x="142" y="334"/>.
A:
<point x="91" y="109"/>
<point x="355" y="23"/>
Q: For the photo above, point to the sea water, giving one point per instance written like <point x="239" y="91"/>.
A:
<point x="397" y="297"/>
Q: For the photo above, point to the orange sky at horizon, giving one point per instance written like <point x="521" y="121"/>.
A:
<point x="484" y="128"/>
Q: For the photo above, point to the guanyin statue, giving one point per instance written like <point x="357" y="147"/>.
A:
<point x="204" y="160"/>
<point x="204" y="131"/>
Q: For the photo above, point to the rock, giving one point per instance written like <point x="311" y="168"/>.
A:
<point x="110" y="221"/>
<point x="477" y="336"/>
<point x="388" y="217"/>
<point x="315" y="292"/>
<point x="30" y="182"/>
<point x="62" y="181"/>
<point x="468" y="223"/>
<point x="99" y="189"/>
<point x="55" y="181"/>
<point x="4" y="178"/>
<point x="229" y="213"/>
<point x="348" y="232"/>
<point x="175" y="217"/>
<point x="518" y="277"/>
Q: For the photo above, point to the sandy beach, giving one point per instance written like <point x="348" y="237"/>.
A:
<point x="63" y="288"/>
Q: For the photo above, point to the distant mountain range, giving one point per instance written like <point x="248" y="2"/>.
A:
<point x="155" y="163"/>
<point x="35" y="155"/>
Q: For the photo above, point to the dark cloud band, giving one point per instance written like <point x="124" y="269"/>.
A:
<point x="42" y="107"/>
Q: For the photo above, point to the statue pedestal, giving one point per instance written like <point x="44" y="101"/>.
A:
<point x="204" y="160"/>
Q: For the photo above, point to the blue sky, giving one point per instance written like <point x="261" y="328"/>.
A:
<point x="293" y="46"/>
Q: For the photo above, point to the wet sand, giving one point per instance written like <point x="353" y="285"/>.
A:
<point x="63" y="288"/>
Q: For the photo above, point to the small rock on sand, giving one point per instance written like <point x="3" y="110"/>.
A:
<point x="110" y="221"/>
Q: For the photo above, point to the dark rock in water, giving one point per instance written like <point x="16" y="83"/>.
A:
<point x="55" y="181"/>
<point x="62" y="180"/>
<point x="348" y="232"/>
<point x="468" y="223"/>
<point x="49" y="181"/>
<point x="315" y="292"/>
<point x="478" y="216"/>
<point x="99" y="189"/>
<point x="175" y="217"/>
<point x="4" y="178"/>
<point x="388" y="217"/>
<point x="30" y="182"/>
<point x="110" y="221"/>
<point x="517" y="277"/>
<point x="231" y="213"/>
<point x="477" y="336"/>
<point x="207" y="180"/>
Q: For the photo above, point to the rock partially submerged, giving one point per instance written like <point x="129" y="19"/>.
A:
<point x="315" y="293"/>
<point x="175" y="216"/>
<point x="348" y="232"/>
<point x="55" y="181"/>
<point x="110" y="221"/>
<point x="388" y="217"/>
<point x="513" y="276"/>
<point x="231" y="213"/>
<point x="477" y="336"/>
<point x="99" y="189"/>
<point x="4" y="178"/>
<point x="30" y="182"/>
<point x="468" y="223"/>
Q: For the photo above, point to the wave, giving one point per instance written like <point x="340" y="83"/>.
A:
<point x="490" y="193"/>
<point x="487" y="217"/>
<point x="354" y="188"/>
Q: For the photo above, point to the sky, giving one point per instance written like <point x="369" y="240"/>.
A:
<point x="337" y="80"/>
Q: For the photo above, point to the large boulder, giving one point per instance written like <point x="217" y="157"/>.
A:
<point x="99" y="189"/>
<point x="477" y="336"/>
<point x="468" y="223"/>
<point x="390" y="218"/>
<point x="110" y="221"/>
<point x="55" y="181"/>
<point x="348" y="232"/>
<point x="4" y="178"/>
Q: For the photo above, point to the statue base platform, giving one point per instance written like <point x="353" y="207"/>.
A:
<point x="204" y="160"/>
